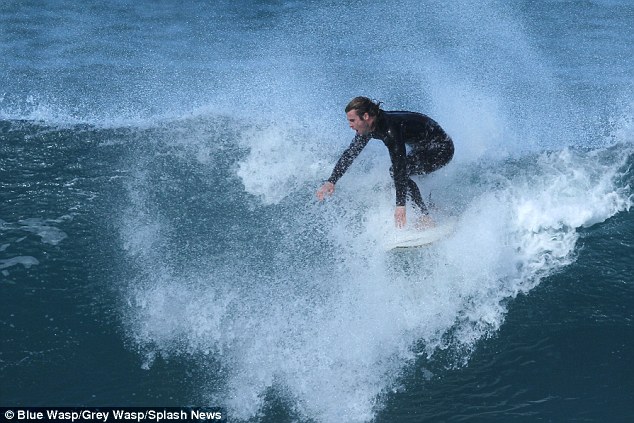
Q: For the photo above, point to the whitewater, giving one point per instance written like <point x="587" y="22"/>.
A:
<point x="159" y="164"/>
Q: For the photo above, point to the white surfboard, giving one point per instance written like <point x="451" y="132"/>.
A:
<point x="413" y="238"/>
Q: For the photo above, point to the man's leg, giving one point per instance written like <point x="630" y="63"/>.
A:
<point x="414" y="194"/>
<point x="422" y="162"/>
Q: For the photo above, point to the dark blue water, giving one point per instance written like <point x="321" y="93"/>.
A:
<point x="160" y="244"/>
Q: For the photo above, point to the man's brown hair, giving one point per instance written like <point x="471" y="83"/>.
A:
<point x="364" y="105"/>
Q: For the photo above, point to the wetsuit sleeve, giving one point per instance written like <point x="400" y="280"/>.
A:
<point x="399" y="169"/>
<point x="348" y="156"/>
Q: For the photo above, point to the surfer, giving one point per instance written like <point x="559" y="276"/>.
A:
<point x="416" y="143"/>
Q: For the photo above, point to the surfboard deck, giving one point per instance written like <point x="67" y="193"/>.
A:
<point x="415" y="238"/>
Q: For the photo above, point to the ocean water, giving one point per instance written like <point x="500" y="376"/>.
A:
<point x="160" y="243"/>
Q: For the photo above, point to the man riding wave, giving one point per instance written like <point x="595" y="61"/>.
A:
<point x="430" y="149"/>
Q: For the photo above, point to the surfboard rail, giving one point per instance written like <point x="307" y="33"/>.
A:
<point x="414" y="238"/>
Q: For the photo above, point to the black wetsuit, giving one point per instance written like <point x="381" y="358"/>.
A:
<point x="431" y="149"/>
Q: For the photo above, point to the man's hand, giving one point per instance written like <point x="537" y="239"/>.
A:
<point x="327" y="189"/>
<point x="399" y="217"/>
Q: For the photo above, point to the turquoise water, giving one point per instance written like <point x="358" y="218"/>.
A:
<point x="160" y="244"/>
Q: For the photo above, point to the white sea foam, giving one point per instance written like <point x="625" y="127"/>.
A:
<point x="333" y="334"/>
<point x="43" y="228"/>
<point x="280" y="159"/>
<point x="49" y="234"/>
<point x="26" y="261"/>
<point x="312" y="307"/>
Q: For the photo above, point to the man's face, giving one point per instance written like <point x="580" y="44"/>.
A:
<point x="361" y="124"/>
